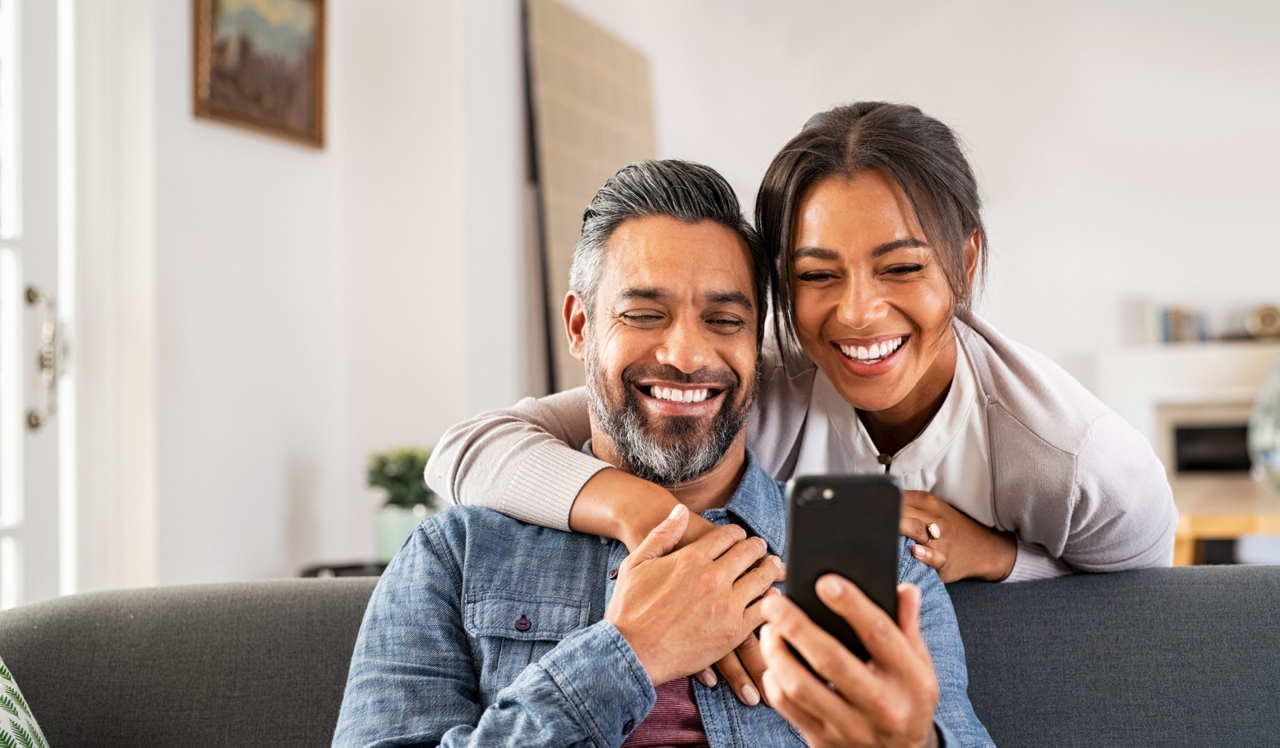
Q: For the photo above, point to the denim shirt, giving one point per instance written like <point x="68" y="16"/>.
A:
<point x="487" y="631"/>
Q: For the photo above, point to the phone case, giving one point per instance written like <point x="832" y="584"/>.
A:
<point x="846" y="525"/>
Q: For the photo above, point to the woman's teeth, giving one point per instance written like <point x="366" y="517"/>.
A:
<point x="870" y="354"/>
<point x="677" y="395"/>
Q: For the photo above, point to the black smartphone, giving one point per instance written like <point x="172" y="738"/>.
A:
<point x="846" y="525"/>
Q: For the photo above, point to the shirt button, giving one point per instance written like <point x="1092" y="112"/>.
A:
<point x="613" y="573"/>
<point x="523" y="624"/>
<point x="628" y="727"/>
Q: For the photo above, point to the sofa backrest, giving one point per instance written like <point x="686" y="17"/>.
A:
<point x="257" y="663"/>
<point x="1165" y="657"/>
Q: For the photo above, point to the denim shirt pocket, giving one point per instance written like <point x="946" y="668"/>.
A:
<point x="509" y="631"/>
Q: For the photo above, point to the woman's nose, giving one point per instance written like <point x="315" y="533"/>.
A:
<point x="684" y="347"/>
<point x="861" y="305"/>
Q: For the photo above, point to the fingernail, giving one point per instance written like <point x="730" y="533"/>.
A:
<point x="709" y="678"/>
<point x="750" y="696"/>
<point x="777" y="562"/>
<point x="920" y="551"/>
<point x="830" y="587"/>
<point x="676" y="511"/>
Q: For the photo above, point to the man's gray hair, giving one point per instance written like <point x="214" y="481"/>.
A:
<point x="682" y="190"/>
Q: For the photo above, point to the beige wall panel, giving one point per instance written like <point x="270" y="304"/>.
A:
<point x="592" y="115"/>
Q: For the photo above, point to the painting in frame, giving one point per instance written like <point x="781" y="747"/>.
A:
<point x="260" y="64"/>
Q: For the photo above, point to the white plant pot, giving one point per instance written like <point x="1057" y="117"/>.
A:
<point x="391" y="525"/>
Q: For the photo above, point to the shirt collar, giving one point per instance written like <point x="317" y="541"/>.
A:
<point x="757" y="504"/>
<point x="928" y="446"/>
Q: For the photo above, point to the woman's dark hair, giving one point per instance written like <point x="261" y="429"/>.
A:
<point x="917" y="151"/>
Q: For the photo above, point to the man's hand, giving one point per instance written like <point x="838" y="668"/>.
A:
<point x="744" y="667"/>
<point x="888" y="701"/>
<point x="682" y="611"/>
<point x="964" y="547"/>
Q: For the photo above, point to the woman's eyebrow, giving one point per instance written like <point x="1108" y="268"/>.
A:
<point x="818" y="253"/>
<point x="888" y="247"/>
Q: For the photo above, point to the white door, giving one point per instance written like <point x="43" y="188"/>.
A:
<point x="37" y="522"/>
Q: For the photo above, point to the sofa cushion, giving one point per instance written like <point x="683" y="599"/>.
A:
<point x="17" y="723"/>
<point x="1168" y="657"/>
<point x="255" y="663"/>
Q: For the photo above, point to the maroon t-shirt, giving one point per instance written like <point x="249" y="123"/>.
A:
<point x="674" y="720"/>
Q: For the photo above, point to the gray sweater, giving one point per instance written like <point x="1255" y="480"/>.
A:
<point x="1076" y="483"/>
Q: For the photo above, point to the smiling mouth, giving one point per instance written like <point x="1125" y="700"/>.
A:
<point x="875" y="353"/>
<point x="680" y="394"/>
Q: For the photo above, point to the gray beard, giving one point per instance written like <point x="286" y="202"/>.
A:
<point x="677" y="454"/>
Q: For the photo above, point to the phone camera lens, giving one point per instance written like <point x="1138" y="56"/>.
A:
<point x="810" y="495"/>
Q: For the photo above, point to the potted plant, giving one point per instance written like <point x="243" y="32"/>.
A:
<point x="409" y="500"/>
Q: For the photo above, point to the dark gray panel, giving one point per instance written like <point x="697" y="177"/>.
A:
<point x="260" y="663"/>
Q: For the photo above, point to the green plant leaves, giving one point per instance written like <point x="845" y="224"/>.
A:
<point x="17" y="697"/>
<point x="18" y="728"/>
<point x="23" y="736"/>
<point x="399" y="472"/>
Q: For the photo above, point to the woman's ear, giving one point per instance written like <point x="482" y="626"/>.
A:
<point x="973" y="249"/>
<point x="575" y="325"/>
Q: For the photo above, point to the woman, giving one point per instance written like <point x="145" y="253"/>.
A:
<point x="1014" y="471"/>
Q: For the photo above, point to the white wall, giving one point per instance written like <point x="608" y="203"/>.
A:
<point x="1125" y="151"/>
<point x="312" y="306"/>
<point x="315" y="305"/>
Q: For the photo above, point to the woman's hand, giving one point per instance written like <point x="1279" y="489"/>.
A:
<point x="888" y="701"/>
<point x="963" y="547"/>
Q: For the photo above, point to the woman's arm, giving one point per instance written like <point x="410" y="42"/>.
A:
<point x="1123" y="516"/>
<point x="527" y="463"/>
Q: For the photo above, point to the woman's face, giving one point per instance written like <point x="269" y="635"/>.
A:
<point x="872" y="304"/>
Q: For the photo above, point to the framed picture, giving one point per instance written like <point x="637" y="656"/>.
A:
<point x="260" y="64"/>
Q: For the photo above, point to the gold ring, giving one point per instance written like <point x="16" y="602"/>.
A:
<point x="934" y="532"/>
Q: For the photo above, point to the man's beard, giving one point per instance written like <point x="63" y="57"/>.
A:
<point x="675" y="449"/>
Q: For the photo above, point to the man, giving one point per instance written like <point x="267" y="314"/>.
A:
<point x="485" y="630"/>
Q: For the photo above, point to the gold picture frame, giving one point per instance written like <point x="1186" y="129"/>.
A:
<point x="260" y="64"/>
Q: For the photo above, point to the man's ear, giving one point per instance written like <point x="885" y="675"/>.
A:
<point x="575" y="325"/>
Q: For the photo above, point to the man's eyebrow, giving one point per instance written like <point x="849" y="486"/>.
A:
<point x="649" y="294"/>
<point x="730" y="297"/>
<point x="818" y="253"/>
<point x="715" y="297"/>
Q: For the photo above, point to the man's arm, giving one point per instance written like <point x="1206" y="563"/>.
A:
<point x="413" y="677"/>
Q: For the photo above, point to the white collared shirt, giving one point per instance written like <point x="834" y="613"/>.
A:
<point x="950" y="458"/>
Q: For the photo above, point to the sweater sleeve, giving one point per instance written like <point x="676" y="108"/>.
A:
<point x="1034" y="562"/>
<point x="525" y="461"/>
<point x="1123" y="515"/>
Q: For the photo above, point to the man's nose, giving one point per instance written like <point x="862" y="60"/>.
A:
<point x="685" y="347"/>
<point x="861" y="304"/>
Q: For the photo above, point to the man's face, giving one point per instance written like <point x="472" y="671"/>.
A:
<point x="671" y="347"/>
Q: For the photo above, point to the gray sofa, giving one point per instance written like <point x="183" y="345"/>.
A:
<point x="1175" y="657"/>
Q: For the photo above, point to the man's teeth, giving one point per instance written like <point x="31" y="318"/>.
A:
<point x="872" y="353"/>
<point x="678" y="395"/>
